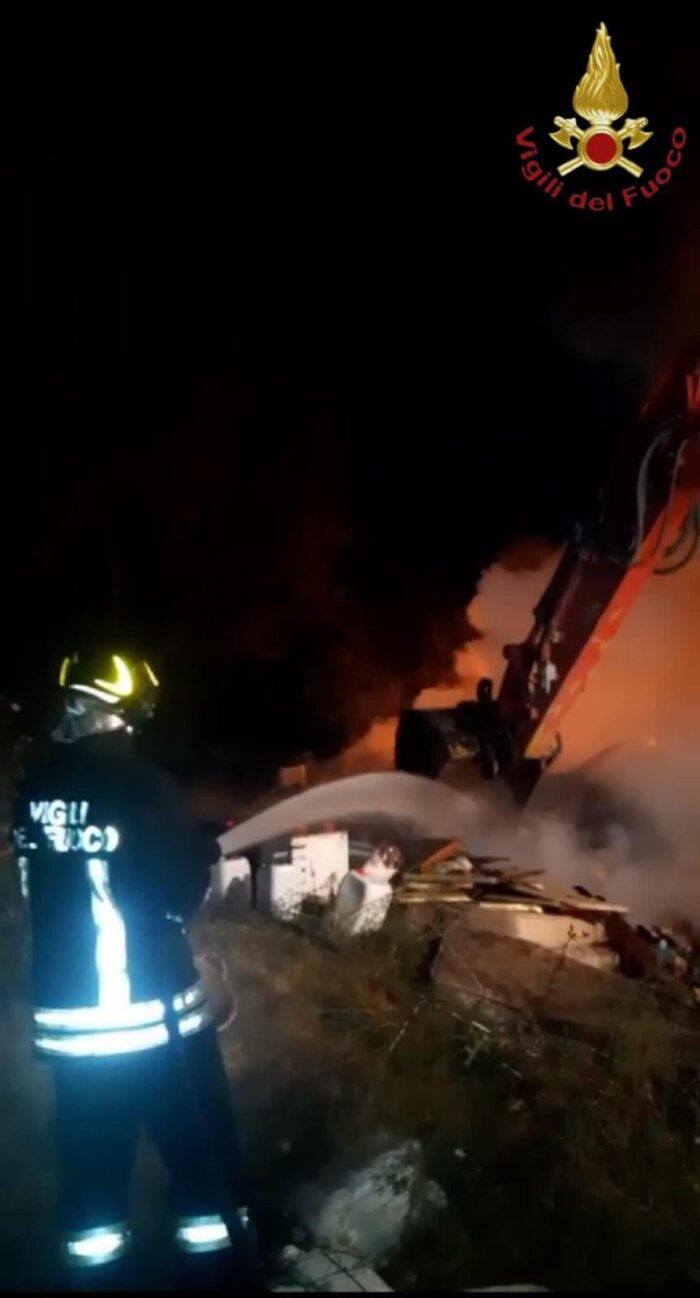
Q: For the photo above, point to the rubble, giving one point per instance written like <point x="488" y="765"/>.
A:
<point x="366" y="893"/>
<point x="325" y="1271"/>
<point x="576" y="938"/>
<point x="516" y="904"/>
<point x="512" y="1288"/>
<point x="580" y="925"/>
<point x="310" y="865"/>
<point x="356" y="883"/>
<point x="367" y="1211"/>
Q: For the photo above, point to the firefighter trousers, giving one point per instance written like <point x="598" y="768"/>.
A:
<point x="179" y="1095"/>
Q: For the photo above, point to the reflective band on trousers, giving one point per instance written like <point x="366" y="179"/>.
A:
<point x="98" y="1246"/>
<point x="93" y="1030"/>
<point x="101" y="1018"/>
<point x="104" y="1043"/>
<point x="188" y="999"/>
<point x="97" y="1018"/>
<point x="202" y="1234"/>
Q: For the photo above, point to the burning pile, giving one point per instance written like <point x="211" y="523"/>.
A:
<point x="515" y="903"/>
<point x="522" y="904"/>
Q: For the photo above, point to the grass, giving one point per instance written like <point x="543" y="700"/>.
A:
<point x="567" y="1163"/>
<point x="564" y="1163"/>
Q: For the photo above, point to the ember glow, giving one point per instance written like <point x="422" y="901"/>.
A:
<point x="500" y="613"/>
<point x="647" y="685"/>
<point x="634" y="732"/>
<point x="645" y="692"/>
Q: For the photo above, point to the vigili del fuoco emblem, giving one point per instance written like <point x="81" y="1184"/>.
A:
<point x="601" y="99"/>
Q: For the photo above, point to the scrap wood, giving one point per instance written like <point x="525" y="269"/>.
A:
<point x="585" y="906"/>
<point x="430" y="898"/>
<point x="516" y="877"/>
<point x="439" y="881"/>
<point x="496" y="903"/>
<point x="499" y="888"/>
<point x="458" y="865"/>
<point x="585" y="892"/>
<point x="408" y="894"/>
<point x="521" y="890"/>
<point x="570" y="901"/>
<point x="453" y="848"/>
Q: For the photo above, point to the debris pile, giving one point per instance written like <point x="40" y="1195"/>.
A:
<point x="580" y="925"/>
<point x="355" y="884"/>
<point x="366" y="893"/>
<point x="321" y="1270"/>
<point x="515" y="903"/>
<point x="669" y="955"/>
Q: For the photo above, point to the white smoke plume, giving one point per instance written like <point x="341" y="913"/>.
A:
<point x="619" y="812"/>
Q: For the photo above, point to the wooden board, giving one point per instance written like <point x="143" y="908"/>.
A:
<point x="453" y="848"/>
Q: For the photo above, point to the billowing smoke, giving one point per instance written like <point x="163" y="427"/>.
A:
<point x="500" y="614"/>
<point x="619" y="812"/>
<point x="620" y="808"/>
<point x="631" y="764"/>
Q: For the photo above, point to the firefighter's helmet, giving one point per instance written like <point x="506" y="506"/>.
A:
<point x="122" y="684"/>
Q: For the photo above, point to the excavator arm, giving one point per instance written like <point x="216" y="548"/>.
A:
<point x="648" y="524"/>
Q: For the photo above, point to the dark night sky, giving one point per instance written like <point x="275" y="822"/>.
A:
<point x="291" y="350"/>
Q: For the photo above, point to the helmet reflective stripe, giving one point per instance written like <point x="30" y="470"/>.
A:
<point x="123" y="683"/>
<point x="202" y="1234"/>
<point x="110" y="946"/>
<point x="97" y="1246"/>
<point x="151" y="675"/>
<point x="117" y="674"/>
<point x="99" y="694"/>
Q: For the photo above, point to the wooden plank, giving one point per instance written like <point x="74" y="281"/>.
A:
<point x="494" y="903"/>
<point x="431" y="899"/>
<point x="520" y="876"/>
<point x="453" y="848"/>
<point x="438" y="881"/>
<point x="569" y="900"/>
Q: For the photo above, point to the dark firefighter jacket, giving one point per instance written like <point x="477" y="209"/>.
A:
<point x="112" y="869"/>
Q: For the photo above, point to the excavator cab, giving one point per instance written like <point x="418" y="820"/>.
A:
<point x="429" y="740"/>
<point x="464" y="745"/>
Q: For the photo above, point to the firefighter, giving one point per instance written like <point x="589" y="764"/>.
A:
<point x="112" y="869"/>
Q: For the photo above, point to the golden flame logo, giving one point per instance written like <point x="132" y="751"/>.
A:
<point x="600" y="99"/>
<point x="600" y="96"/>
